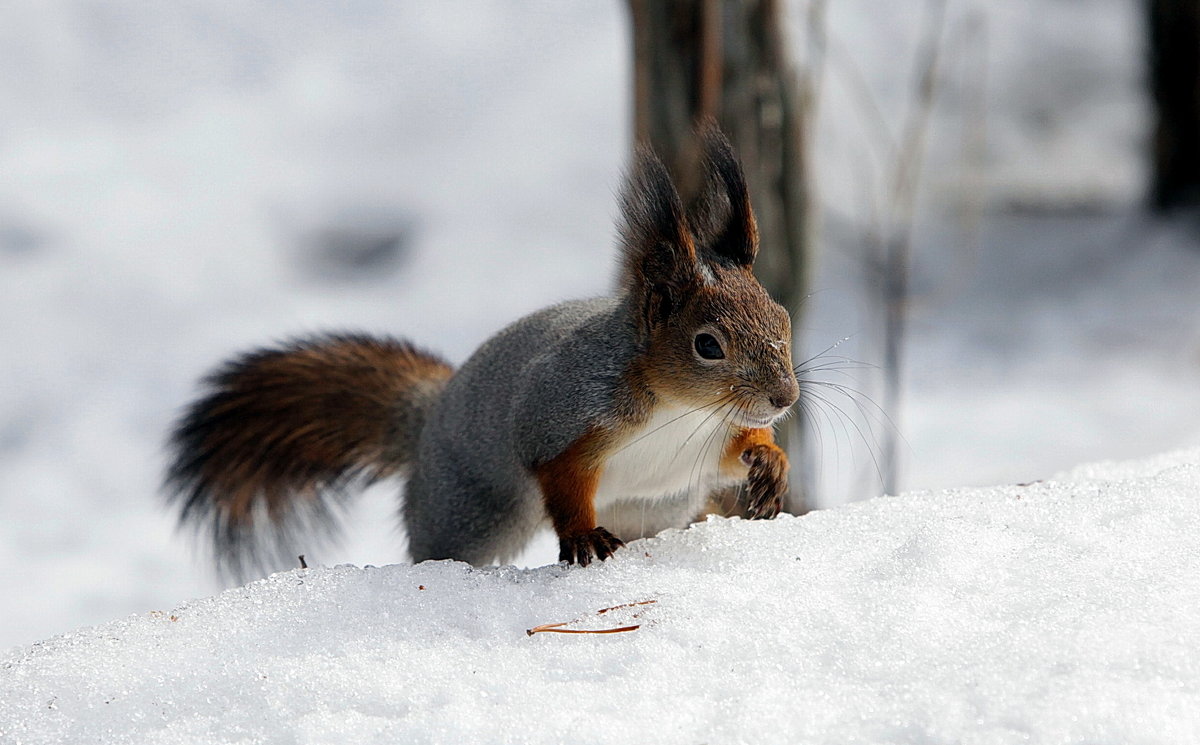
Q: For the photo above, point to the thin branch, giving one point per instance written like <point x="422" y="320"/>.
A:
<point x="897" y="248"/>
<point x="553" y="627"/>
<point x="557" y="628"/>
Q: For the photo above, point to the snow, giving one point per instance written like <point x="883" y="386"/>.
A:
<point x="1064" y="611"/>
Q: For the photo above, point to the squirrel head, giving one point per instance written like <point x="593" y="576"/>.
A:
<point x="710" y="335"/>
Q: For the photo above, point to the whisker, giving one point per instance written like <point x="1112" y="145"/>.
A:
<point x="866" y="423"/>
<point x="741" y="409"/>
<point x="857" y="397"/>
<point x="672" y="420"/>
<point x="697" y="468"/>
<point x="700" y="426"/>
<point x="712" y="438"/>
<point x="825" y="351"/>
<point x="834" y="364"/>
<point x="869" y="442"/>
<point x="812" y="404"/>
<point x="808" y="411"/>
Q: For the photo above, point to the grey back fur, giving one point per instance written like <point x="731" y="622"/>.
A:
<point x="519" y="401"/>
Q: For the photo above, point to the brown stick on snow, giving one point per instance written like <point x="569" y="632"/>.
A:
<point x="557" y="627"/>
<point x="554" y="627"/>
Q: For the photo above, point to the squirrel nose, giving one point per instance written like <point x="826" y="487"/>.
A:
<point x="782" y="401"/>
<point x="786" y="394"/>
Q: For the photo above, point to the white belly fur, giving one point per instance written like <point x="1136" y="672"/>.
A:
<point x="676" y="451"/>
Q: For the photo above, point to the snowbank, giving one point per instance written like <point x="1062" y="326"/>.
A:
<point x="1064" y="611"/>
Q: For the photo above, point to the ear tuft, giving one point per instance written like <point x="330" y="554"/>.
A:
<point x="659" y="257"/>
<point x="721" y="215"/>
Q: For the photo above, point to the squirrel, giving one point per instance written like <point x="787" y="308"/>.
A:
<point x="611" y="418"/>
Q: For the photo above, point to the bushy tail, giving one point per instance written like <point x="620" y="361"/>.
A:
<point x="279" y="434"/>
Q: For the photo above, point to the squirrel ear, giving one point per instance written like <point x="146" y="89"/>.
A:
<point x="720" y="214"/>
<point x="659" y="258"/>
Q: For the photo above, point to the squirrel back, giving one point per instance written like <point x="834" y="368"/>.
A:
<point x="627" y="411"/>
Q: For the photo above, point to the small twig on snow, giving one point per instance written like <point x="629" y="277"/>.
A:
<point x="557" y="628"/>
<point x="625" y="605"/>
<point x="554" y="627"/>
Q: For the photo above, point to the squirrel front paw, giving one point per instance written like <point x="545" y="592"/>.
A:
<point x="581" y="549"/>
<point x="766" y="485"/>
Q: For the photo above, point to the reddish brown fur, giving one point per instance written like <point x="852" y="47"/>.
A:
<point x="741" y="442"/>
<point x="749" y="321"/>
<point x="769" y="477"/>
<point x="568" y="483"/>
<point x="766" y="482"/>
<point x="281" y="426"/>
<point x="697" y="270"/>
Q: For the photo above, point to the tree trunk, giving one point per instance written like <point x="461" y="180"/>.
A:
<point x="728" y="60"/>
<point x="1174" y="27"/>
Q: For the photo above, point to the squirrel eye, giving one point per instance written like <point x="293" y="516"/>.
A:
<point x="708" y="347"/>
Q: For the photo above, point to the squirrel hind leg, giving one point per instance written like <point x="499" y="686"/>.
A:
<point x="486" y="525"/>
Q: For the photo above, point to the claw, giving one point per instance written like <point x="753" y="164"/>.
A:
<point x="580" y="549"/>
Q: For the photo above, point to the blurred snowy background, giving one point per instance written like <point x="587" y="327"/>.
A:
<point x="180" y="181"/>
